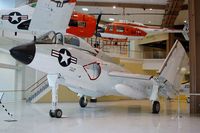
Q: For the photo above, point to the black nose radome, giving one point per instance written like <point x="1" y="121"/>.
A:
<point x="24" y="53"/>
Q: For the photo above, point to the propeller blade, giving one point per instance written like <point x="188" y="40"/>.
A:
<point x="98" y="21"/>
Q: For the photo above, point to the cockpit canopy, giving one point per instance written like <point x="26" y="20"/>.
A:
<point x="72" y="40"/>
<point x="58" y="38"/>
<point x="50" y="38"/>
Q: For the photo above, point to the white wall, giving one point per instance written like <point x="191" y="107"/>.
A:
<point x="20" y="2"/>
<point x="15" y="78"/>
<point x="7" y="77"/>
<point x="4" y="4"/>
<point x="7" y="4"/>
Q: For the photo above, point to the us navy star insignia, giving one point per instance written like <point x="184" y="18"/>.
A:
<point x="64" y="57"/>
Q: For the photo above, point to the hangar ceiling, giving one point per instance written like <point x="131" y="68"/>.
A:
<point x="164" y="13"/>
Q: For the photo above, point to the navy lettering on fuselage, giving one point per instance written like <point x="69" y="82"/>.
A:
<point x="64" y="57"/>
<point x="60" y="3"/>
<point x="14" y="17"/>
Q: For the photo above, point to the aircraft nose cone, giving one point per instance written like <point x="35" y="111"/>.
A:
<point x="24" y="53"/>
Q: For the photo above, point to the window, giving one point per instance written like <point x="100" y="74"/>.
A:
<point x="110" y="28"/>
<point x="51" y="38"/>
<point x="120" y="29"/>
<point x="72" y="40"/>
<point x="75" y="23"/>
<point x="81" y="24"/>
<point x="93" y="70"/>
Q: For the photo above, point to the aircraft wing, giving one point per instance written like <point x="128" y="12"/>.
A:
<point x="129" y="75"/>
<point x="134" y="90"/>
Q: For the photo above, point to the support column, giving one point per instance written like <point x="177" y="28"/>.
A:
<point x="170" y="42"/>
<point x="194" y="21"/>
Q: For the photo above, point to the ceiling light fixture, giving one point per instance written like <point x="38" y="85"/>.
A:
<point x="150" y="9"/>
<point x="114" y="7"/>
<point x="111" y="19"/>
<point x="85" y="9"/>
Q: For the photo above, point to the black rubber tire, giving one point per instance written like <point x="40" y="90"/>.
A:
<point x="51" y="114"/>
<point x="58" y="113"/>
<point x="156" y="107"/>
<point x="82" y="102"/>
<point x="93" y="100"/>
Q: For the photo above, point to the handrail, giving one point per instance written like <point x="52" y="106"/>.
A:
<point x="35" y="83"/>
<point x="11" y="90"/>
<point x="38" y="85"/>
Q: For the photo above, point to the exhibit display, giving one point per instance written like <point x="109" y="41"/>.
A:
<point x="80" y="65"/>
<point x="88" y="75"/>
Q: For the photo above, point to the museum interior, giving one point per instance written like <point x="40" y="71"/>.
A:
<point x="99" y="66"/>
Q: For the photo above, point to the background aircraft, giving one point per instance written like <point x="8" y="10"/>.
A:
<point x="82" y="25"/>
<point x="88" y="75"/>
<point x="135" y="31"/>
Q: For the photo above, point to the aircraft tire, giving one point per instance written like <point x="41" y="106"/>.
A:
<point x="83" y="103"/>
<point x="51" y="114"/>
<point x="58" y="113"/>
<point x="156" y="107"/>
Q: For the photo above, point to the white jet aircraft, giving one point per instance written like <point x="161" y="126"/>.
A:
<point x="87" y="75"/>
<point x="25" y="23"/>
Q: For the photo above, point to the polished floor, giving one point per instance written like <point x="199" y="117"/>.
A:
<point x="127" y="116"/>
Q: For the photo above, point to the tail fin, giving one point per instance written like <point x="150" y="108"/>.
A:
<point x="176" y="61"/>
<point x="52" y="15"/>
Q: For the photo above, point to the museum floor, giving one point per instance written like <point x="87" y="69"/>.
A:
<point x="128" y="116"/>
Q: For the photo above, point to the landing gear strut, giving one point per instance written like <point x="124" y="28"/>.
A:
<point x="83" y="101"/>
<point x="53" y="83"/>
<point x="156" y="107"/>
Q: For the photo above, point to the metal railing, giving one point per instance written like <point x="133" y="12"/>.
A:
<point x="36" y="89"/>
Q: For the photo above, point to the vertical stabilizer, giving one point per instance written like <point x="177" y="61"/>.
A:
<point x="52" y="15"/>
<point x="176" y="61"/>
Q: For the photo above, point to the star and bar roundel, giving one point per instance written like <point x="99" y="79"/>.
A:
<point x="15" y="17"/>
<point x="64" y="57"/>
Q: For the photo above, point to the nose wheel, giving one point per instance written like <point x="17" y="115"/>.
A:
<point x="83" y="101"/>
<point x="57" y="113"/>
<point x="53" y="83"/>
<point x="156" y="107"/>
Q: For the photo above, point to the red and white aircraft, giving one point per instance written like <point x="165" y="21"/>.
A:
<point x="82" y="25"/>
<point x="134" y="31"/>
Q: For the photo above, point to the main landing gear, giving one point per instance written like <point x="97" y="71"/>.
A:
<point x="83" y="101"/>
<point x="156" y="107"/>
<point x="93" y="100"/>
<point x="53" y="83"/>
